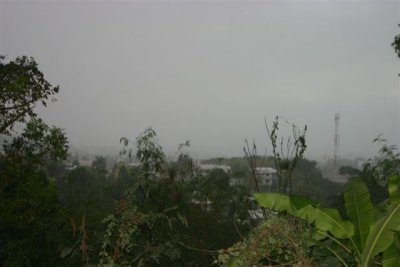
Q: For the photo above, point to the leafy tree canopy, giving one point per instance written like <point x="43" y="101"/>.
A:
<point x="22" y="87"/>
<point x="396" y="44"/>
<point x="31" y="216"/>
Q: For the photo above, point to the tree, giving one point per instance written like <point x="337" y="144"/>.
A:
<point x="32" y="219"/>
<point x="170" y="216"/>
<point x="100" y="165"/>
<point x="396" y="44"/>
<point x="286" y="152"/>
<point x="309" y="181"/>
<point x="145" y="228"/>
<point x="22" y="87"/>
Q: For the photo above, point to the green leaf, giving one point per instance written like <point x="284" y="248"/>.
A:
<point x="381" y="234"/>
<point x="393" y="186"/>
<point x="233" y="262"/>
<point x="336" y="260"/>
<point x="327" y="220"/>
<point x="282" y="202"/>
<point x="319" y="235"/>
<point x="359" y="209"/>
<point x="391" y="257"/>
<point x="273" y="201"/>
<point x="299" y="202"/>
<point x="65" y="252"/>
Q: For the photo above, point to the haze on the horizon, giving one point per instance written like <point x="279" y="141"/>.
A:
<point x="212" y="71"/>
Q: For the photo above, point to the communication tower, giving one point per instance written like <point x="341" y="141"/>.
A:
<point x="336" y="140"/>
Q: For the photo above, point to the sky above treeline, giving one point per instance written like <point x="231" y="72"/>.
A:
<point x="212" y="71"/>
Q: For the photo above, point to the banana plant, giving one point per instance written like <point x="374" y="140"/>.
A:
<point x="368" y="232"/>
<point x="383" y="234"/>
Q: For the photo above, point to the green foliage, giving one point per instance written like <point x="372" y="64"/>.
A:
<point x="140" y="239"/>
<point x="171" y="216"/>
<point x="286" y="153"/>
<point x="182" y="168"/>
<point x="100" y="165"/>
<point x="274" y="201"/>
<point x="217" y="213"/>
<point x="396" y="44"/>
<point x="33" y="222"/>
<point x="90" y="194"/>
<point x="391" y="257"/>
<point x="149" y="153"/>
<point x="37" y="145"/>
<point x="381" y="234"/>
<point x="309" y="181"/>
<point x="144" y="230"/>
<point x="325" y="220"/>
<point x="279" y="241"/>
<point x="359" y="209"/>
<point x="22" y="87"/>
<point x="307" y="178"/>
<point x="360" y="240"/>
<point x="377" y="172"/>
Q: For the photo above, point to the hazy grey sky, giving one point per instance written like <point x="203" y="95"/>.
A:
<point x="210" y="71"/>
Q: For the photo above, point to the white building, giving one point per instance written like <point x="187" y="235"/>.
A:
<point x="85" y="163"/>
<point x="134" y="164"/>
<point x="267" y="176"/>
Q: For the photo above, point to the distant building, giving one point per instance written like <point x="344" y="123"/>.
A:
<point x="207" y="168"/>
<point x="236" y="181"/>
<point x="134" y="164"/>
<point x="85" y="163"/>
<point x="268" y="177"/>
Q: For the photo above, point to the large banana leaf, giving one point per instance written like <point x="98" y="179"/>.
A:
<point x="326" y="220"/>
<point x="381" y="234"/>
<point x="299" y="202"/>
<point x="359" y="209"/>
<point x="281" y="202"/>
<point x="391" y="257"/>
<point x="273" y="201"/>
<point x="393" y="186"/>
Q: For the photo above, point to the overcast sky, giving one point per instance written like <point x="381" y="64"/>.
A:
<point x="211" y="71"/>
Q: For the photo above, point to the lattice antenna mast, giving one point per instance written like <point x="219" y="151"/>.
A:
<point x="337" y="140"/>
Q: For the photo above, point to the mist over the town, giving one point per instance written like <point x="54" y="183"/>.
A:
<point x="210" y="72"/>
<point x="193" y="133"/>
